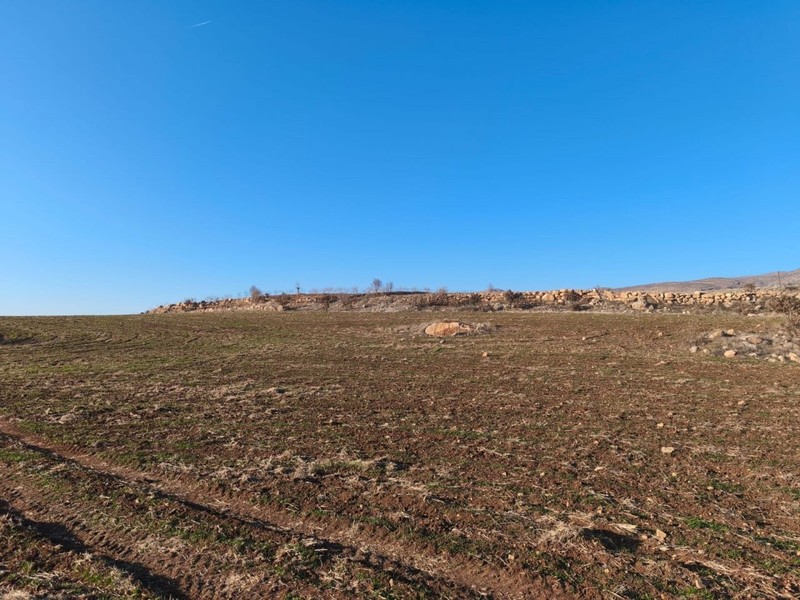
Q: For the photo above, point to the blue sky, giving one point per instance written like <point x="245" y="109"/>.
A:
<point x="530" y="145"/>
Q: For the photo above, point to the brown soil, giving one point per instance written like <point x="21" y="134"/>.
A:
<point x="320" y="455"/>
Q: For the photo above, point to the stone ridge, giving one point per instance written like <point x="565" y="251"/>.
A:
<point x="564" y="299"/>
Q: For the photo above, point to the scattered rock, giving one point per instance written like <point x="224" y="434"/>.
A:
<point x="730" y="353"/>
<point x="645" y="303"/>
<point x="717" y="333"/>
<point x="485" y="355"/>
<point x="67" y="418"/>
<point x="794" y="357"/>
<point x="729" y="333"/>
<point x="667" y="450"/>
<point x="660" y="536"/>
<point x="694" y="349"/>
<point x="754" y="339"/>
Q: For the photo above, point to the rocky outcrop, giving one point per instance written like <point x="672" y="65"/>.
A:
<point x="754" y="301"/>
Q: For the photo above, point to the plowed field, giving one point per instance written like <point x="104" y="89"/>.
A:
<point x="348" y="455"/>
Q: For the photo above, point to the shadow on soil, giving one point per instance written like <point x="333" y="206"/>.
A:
<point x="57" y="533"/>
<point x="613" y="542"/>
<point x="15" y="341"/>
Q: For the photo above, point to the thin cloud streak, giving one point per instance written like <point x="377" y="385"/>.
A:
<point x="198" y="24"/>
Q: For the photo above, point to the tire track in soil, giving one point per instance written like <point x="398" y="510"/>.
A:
<point x="65" y="537"/>
<point x="465" y="576"/>
<point x="50" y="521"/>
<point x="191" y="573"/>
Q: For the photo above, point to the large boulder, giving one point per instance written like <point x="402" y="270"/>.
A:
<point x="448" y="329"/>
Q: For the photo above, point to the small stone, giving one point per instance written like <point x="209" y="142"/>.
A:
<point x="794" y="357"/>
<point x="729" y="332"/>
<point x="485" y="355"/>
<point x="67" y="418"/>
<point x="730" y="353"/>
<point x="667" y="450"/>
<point x="717" y="333"/>
<point x="660" y="536"/>
<point x="659" y="425"/>
<point x="754" y="339"/>
<point x="694" y="349"/>
<point x="741" y="403"/>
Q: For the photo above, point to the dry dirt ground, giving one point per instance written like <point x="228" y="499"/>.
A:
<point x="347" y="455"/>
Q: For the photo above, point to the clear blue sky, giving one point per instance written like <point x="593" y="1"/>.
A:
<point x="156" y="150"/>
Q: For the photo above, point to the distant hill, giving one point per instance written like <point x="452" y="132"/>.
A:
<point x="776" y="279"/>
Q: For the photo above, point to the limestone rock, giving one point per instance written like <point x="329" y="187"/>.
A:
<point x="447" y="329"/>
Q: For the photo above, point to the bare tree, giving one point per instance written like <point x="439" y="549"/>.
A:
<point x="376" y="286"/>
<point x="388" y="287"/>
<point x="255" y="294"/>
